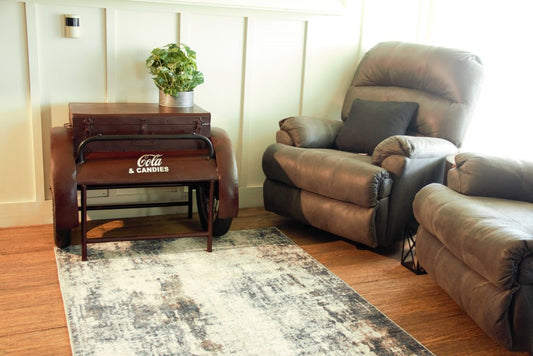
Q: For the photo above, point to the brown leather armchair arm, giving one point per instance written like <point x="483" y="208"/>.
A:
<point x="63" y="185"/>
<point x="480" y="251"/>
<point x="309" y="132"/>
<point x="227" y="167"/>
<point x="412" y="147"/>
<point x="490" y="176"/>
<point x="413" y="162"/>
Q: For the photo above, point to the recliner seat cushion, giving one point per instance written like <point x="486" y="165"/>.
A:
<point x="351" y="221"/>
<point x="340" y="175"/>
<point x="370" y="122"/>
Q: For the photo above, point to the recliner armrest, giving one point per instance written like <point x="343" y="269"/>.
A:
<point x="491" y="176"/>
<point x="490" y="236"/>
<point x="412" y="147"/>
<point x="308" y="132"/>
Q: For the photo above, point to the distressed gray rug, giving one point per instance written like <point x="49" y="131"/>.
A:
<point x="257" y="293"/>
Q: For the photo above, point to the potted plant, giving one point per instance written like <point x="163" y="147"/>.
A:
<point x="175" y="73"/>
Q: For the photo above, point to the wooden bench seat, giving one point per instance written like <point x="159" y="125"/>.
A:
<point x="143" y="170"/>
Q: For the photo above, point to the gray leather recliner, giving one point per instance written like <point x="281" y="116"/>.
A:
<point x="368" y="197"/>
<point x="476" y="240"/>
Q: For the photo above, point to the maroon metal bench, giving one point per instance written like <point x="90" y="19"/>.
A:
<point x="101" y="161"/>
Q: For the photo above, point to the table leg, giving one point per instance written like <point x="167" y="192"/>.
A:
<point x="210" y="216"/>
<point x="408" y="258"/>
<point x="189" y="202"/>
<point x="84" y="223"/>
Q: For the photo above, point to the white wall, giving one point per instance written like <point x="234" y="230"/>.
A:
<point x="262" y="61"/>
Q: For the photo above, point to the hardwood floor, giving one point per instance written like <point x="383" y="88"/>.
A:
<point x="32" y="319"/>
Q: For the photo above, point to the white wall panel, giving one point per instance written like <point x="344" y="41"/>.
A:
<point x="16" y="146"/>
<point x="137" y="33"/>
<point x="218" y="42"/>
<point x="391" y="20"/>
<point x="70" y="69"/>
<point x="273" y="87"/>
<point x="259" y="66"/>
<point x="331" y="59"/>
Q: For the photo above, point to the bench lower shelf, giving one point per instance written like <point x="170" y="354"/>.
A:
<point x="84" y="208"/>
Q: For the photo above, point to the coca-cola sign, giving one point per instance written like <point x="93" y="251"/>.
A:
<point x="150" y="163"/>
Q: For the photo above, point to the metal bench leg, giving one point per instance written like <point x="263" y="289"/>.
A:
<point x="83" y="223"/>
<point x="189" y="202"/>
<point x="210" y="216"/>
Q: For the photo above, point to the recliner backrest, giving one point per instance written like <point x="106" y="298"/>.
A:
<point x="444" y="82"/>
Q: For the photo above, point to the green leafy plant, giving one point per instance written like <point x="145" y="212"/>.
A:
<point x="174" y="68"/>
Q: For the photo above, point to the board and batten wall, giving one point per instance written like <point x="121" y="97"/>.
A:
<point x="261" y="64"/>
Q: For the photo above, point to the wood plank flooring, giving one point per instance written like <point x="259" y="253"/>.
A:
<point x="32" y="318"/>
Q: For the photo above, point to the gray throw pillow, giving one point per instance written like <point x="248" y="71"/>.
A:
<point x="370" y="122"/>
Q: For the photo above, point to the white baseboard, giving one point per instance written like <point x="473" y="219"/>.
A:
<point x="251" y="197"/>
<point x="25" y="213"/>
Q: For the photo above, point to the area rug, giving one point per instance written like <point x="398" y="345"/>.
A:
<point x="257" y="293"/>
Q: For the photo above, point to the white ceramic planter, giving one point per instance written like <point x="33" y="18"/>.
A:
<point x="182" y="100"/>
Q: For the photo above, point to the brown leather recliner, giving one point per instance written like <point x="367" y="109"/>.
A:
<point x="476" y="239"/>
<point x="407" y="108"/>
